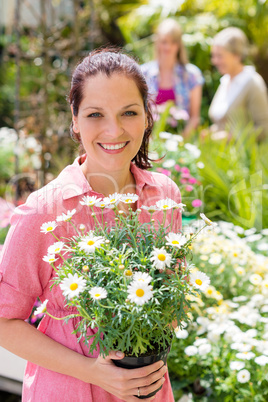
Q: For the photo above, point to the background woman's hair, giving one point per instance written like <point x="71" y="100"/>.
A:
<point x="170" y="27"/>
<point x="110" y="61"/>
<point x="234" y="40"/>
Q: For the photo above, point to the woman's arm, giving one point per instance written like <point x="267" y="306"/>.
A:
<point x="258" y="107"/>
<point x="27" y="342"/>
<point x="194" y="113"/>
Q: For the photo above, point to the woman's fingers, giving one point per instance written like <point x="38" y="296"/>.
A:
<point x="147" y="390"/>
<point x="144" y="371"/>
<point x="149" y="379"/>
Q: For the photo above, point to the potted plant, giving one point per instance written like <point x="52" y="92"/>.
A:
<point x="130" y="281"/>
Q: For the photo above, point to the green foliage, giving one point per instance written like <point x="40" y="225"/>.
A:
<point x="234" y="179"/>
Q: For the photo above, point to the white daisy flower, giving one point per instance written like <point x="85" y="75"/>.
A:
<point x="181" y="333"/>
<point x="237" y="365"/>
<point x="200" y="341"/>
<point x="139" y="292"/>
<point x="66" y="217"/>
<point x="55" y="248"/>
<point x="142" y="277"/>
<point x="151" y="209"/>
<point x="245" y="355"/>
<point x="255" y="279"/>
<point x="176" y="240"/>
<point x="243" y="376"/>
<point x="90" y="201"/>
<point x="199" y="280"/>
<point x="41" y="309"/>
<point x="169" y="163"/>
<point x="180" y="206"/>
<point x="129" y="198"/>
<point x="90" y="243"/>
<point x="166" y="204"/>
<point x="50" y="258"/>
<point x="207" y="221"/>
<point x="112" y="199"/>
<point x="215" y="259"/>
<point x="72" y="285"/>
<point x="48" y="227"/>
<point x="261" y="360"/>
<point x="98" y="293"/>
<point x="204" y="349"/>
<point x="191" y="350"/>
<point x="101" y="204"/>
<point x="160" y="258"/>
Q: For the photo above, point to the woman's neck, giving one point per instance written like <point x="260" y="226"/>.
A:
<point x="166" y="65"/>
<point x="107" y="183"/>
<point x="236" y="70"/>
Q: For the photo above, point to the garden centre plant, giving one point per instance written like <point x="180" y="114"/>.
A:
<point x="130" y="281"/>
<point x="225" y="347"/>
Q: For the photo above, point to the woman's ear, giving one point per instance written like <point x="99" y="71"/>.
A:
<point x="75" y="123"/>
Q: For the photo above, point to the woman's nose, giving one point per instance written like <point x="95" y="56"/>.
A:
<point x="114" y="128"/>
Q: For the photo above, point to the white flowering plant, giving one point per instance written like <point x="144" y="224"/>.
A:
<point x="128" y="282"/>
<point x="222" y="354"/>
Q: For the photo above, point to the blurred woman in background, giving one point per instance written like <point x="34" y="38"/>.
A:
<point x="171" y="77"/>
<point x="242" y="94"/>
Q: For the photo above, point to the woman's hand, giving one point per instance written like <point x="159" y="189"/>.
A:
<point x="124" y="383"/>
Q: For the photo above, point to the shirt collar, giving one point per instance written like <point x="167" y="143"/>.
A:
<point x="73" y="182"/>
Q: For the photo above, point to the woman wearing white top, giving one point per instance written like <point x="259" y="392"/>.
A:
<point x="242" y="94"/>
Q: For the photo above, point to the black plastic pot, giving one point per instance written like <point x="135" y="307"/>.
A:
<point x="131" y="362"/>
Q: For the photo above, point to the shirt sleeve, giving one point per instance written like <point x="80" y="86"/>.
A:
<point x="195" y="76"/>
<point x="23" y="273"/>
<point x="258" y="105"/>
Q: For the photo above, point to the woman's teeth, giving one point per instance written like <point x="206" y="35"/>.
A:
<point x="116" y="146"/>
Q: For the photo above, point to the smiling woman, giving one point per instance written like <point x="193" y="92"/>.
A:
<point x="111" y="118"/>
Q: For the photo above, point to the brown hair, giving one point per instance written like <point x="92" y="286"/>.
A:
<point x="170" y="27"/>
<point x="109" y="61"/>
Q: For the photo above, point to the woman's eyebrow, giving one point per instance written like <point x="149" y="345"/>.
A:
<point x="100" y="108"/>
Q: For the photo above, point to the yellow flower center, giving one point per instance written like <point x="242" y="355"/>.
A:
<point x="210" y="291"/>
<point x="266" y="285"/>
<point x="165" y="206"/>
<point x="49" y="228"/>
<point x="198" y="282"/>
<point x="140" y="292"/>
<point x="51" y="259"/>
<point x="235" y="254"/>
<point x="97" y="294"/>
<point x="129" y="200"/>
<point x="73" y="286"/>
<point x="102" y="205"/>
<point x="57" y="250"/>
<point x="90" y="242"/>
<point x="113" y="200"/>
<point x="190" y="247"/>
<point x="175" y="242"/>
<point x="128" y="272"/>
<point x="85" y="268"/>
<point x="161" y="257"/>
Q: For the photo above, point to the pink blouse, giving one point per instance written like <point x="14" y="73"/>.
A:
<point x="24" y="276"/>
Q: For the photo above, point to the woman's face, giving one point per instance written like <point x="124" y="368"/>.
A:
<point x="167" y="47"/>
<point x="225" y="61"/>
<point x="111" y="121"/>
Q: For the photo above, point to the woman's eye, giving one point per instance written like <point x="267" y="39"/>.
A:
<point x="130" y="113"/>
<point x="96" y="114"/>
